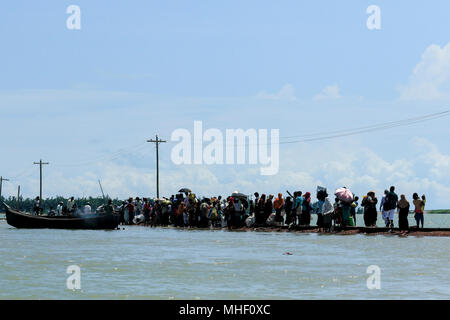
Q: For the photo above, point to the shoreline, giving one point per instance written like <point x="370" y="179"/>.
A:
<point x="425" y="232"/>
<point x="431" y="232"/>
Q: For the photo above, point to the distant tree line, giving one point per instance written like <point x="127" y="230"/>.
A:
<point x="26" y="204"/>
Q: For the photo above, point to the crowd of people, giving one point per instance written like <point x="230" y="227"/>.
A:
<point x="390" y="203"/>
<point x="238" y="210"/>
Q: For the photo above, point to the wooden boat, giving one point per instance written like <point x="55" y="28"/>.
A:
<point x="19" y="219"/>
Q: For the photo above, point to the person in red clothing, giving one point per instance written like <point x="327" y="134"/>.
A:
<point x="180" y="215"/>
<point x="147" y="210"/>
<point x="130" y="208"/>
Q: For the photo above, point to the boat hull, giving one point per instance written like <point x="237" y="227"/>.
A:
<point x="22" y="220"/>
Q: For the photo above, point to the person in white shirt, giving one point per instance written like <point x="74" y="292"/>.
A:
<point x="384" y="213"/>
<point x="87" y="208"/>
<point x="59" y="209"/>
<point x="324" y="208"/>
<point x="137" y="207"/>
<point x="71" y="205"/>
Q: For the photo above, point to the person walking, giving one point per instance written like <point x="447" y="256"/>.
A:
<point x="268" y="207"/>
<point x="137" y="206"/>
<point x="288" y="210"/>
<point x="403" y="210"/>
<point x="324" y="209"/>
<point x="129" y="212"/>
<point x="370" y="209"/>
<point x="390" y="205"/>
<point x="354" y="207"/>
<point x="146" y="210"/>
<point x="383" y="210"/>
<point x="278" y="205"/>
<point x="297" y="207"/>
<point x="259" y="210"/>
<point x="305" y="215"/>
<point x="419" y="206"/>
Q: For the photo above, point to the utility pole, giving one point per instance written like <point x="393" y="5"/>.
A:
<point x="103" y="194"/>
<point x="157" y="142"/>
<point x="40" y="163"/>
<point x="18" y="198"/>
<point x="1" y="183"/>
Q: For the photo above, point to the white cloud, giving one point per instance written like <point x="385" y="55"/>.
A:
<point x="328" y="93"/>
<point x="303" y="167"/>
<point x="287" y="92"/>
<point x="439" y="163"/>
<point x="430" y="79"/>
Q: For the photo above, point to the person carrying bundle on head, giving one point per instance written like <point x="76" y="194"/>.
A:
<point x="324" y="210"/>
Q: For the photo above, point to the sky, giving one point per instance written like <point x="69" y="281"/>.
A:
<point x="87" y="100"/>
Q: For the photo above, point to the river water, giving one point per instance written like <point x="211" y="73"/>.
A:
<point x="166" y="263"/>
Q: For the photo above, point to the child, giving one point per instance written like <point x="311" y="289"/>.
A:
<point x="419" y="206"/>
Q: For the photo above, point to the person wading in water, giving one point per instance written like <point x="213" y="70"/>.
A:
<point x="353" y="210"/>
<point x="370" y="209"/>
<point x="419" y="206"/>
<point x="278" y="205"/>
<point x="390" y="204"/>
<point x="298" y="206"/>
<point x="305" y="215"/>
<point x="324" y="209"/>
<point x="403" y="210"/>
<point x="288" y="210"/>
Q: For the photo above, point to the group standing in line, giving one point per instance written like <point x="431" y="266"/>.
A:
<point x="236" y="211"/>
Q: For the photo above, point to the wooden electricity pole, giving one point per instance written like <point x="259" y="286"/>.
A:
<point x="18" y="198"/>
<point x="157" y="142"/>
<point x="101" y="188"/>
<point x="1" y="183"/>
<point x="40" y="163"/>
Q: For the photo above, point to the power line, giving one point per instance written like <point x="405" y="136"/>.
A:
<point x="367" y="129"/>
<point x="379" y="125"/>
<point x="113" y="156"/>
<point x="355" y="131"/>
<point x="27" y="172"/>
<point x="304" y="138"/>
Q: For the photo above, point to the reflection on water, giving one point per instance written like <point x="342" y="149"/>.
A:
<point x="164" y="263"/>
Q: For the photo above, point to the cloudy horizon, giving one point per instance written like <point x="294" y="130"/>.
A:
<point x="87" y="100"/>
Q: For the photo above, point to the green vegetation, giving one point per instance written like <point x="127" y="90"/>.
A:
<point x="441" y="211"/>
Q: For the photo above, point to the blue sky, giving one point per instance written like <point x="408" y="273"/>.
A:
<point x="76" y="97"/>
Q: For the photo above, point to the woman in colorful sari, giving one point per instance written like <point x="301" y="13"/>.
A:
<point x="346" y="208"/>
